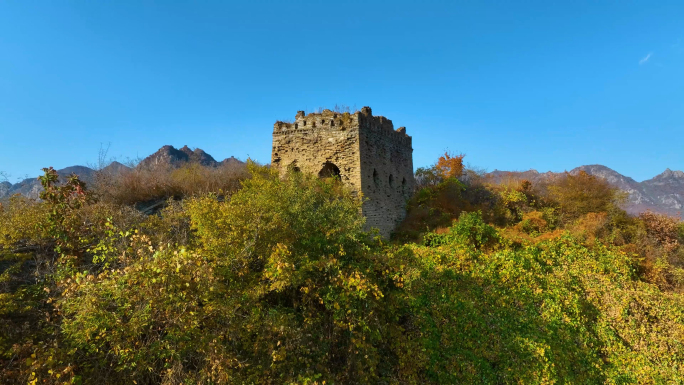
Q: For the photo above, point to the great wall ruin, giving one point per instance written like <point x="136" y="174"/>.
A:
<point x="365" y="151"/>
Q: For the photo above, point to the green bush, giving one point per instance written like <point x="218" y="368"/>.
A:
<point x="469" y="230"/>
<point x="557" y="312"/>
<point x="282" y="287"/>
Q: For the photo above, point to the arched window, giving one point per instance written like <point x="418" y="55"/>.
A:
<point x="376" y="178"/>
<point x="391" y="181"/>
<point x="329" y="170"/>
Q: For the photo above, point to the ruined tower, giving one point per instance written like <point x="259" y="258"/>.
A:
<point x="363" y="150"/>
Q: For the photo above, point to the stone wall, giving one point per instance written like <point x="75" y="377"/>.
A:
<point x="312" y="141"/>
<point x="364" y="150"/>
<point x="386" y="170"/>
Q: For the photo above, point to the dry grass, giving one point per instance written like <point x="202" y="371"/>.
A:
<point x="163" y="181"/>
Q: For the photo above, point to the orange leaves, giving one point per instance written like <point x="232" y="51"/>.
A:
<point x="450" y="166"/>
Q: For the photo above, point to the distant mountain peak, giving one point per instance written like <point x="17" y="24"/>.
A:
<point x="232" y="161"/>
<point x="667" y="174"/>
<point x="115" y="168"/>
<point x="175" y="157"/>
<point x="200" y="156"/>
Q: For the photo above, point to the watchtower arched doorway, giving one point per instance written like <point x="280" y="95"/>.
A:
<point x="329" y="170"/>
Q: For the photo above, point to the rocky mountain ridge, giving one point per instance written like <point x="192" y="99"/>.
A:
<point x="663" y="193"/>
<point x="166" y="155"/>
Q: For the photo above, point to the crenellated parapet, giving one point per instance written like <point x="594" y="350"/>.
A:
<point x="341" y="121"/>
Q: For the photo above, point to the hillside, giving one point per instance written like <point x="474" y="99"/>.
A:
<point x="166" y="155"/>
<point x="490" y="283"/>
<point x="30" y="187"/>
<point x="4" y="188"/>
<point x="663" y="193"/>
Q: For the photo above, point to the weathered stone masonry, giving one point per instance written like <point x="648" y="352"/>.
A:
<point x="364" y="150"/>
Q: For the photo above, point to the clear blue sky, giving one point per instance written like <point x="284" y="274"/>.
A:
<point x="546" y="85"/>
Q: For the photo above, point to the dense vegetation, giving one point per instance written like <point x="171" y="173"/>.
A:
<point x="279" y="283"/>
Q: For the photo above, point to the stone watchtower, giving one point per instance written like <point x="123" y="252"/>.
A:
<point x="363" y="150"/>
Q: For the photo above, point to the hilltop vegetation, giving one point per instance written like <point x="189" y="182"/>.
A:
<point x="663" y="193"/>
<point x="274" y="280"/>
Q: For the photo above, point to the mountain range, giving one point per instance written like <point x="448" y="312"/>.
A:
<point x="175" y="157"/>
<point x="663" y="193"/>
<point x="167" y="155"/>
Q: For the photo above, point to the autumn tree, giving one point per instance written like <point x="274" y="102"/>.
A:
<point x="583" y="193"/>
<point x="662" y="228"/>
<point x="450" y="165"/>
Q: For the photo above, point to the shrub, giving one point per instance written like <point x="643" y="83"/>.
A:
<point x="663" y="229"/>
<point x="470" y="230"/>
<point x="581" y="194"/>
<point x="21" y="224"/>
<point x="553" y="312"/>
<point x="282" y="287"/>
<point x="163" y="181"/>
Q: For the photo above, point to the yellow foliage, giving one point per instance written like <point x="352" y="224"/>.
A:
<point x="278" y="283"/>
<point x="581" y="194"/>
<point x="21" y="221"/>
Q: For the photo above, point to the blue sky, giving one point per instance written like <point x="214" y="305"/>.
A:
<point x="513" y="85"/>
